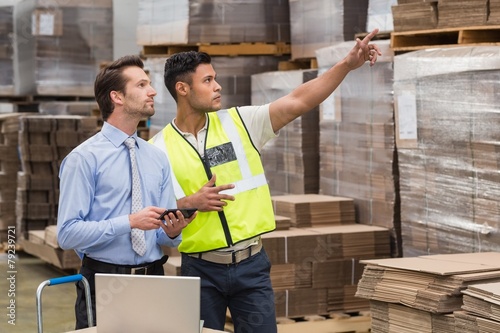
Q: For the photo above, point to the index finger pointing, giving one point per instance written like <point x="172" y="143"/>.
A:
<point x="369" y="37"/>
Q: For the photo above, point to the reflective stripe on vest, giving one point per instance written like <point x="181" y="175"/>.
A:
<point x="248" y="182"/>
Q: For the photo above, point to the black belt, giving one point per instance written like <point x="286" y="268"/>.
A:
<point x="104" y="267"/>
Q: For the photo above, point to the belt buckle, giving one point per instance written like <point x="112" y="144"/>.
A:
<point x="239" y="256"/>
<point x="139" y="270"/>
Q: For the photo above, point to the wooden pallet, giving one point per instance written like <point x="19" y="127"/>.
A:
<point x="306" y="63"/>
<point x="333" y="323"/>
<point x="239" y="49"/>
<point x="381" y="35"/>
<point x="7" y="249"/>
<point x="45" y="98"/>
<point x="63" y="259"/>
<point x="447" y="37"/>
<point x="30" y="103"/>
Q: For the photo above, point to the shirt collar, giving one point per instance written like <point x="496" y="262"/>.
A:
<point x="204" y="128"/>
<point x="116" y="136"/>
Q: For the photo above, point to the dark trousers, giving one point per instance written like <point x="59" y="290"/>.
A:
<point x="244" y="288"/>
<point x="81" y="305"/>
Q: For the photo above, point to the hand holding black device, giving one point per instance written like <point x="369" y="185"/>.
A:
<point x="186" y="212"/>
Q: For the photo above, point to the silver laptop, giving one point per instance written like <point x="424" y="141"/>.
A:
<point x="147" y="303"/>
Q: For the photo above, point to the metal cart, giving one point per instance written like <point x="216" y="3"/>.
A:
<point x="61" y="280"/>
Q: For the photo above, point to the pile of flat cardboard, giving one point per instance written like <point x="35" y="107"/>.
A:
<point x="9" y="166"/>
<point x="315" y="270"/>
<point x="494" y="12"/>
<point x="462" y="13"/>
<point x="425" y="289"/>
<point x="7" y="49"/>
<point x="421" y="15"/>
<point x="414" y="15"/>
<point x="483" y="300"/>
<point x="324" y="257"/>
<point x="282" y="222"/>
<point x="315" y="209"/>
<point x="469" y="323"/>
<point x="390" y="317"/>
<point x="44" y="141"/>
<point x="480" y="309"/>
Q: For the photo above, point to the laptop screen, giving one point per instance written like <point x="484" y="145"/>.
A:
<point x="147" y="303"/>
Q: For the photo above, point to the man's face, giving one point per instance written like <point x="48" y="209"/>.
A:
<point x="138" y="96"/>
<point x="204" y="92"/>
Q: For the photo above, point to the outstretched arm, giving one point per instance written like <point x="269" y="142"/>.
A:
<point x="310" y="94"/>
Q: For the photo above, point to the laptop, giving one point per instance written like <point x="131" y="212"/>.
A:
<point x="147" y="303"/>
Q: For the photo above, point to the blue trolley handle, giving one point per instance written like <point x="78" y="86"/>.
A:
<point x="61" y="280"/>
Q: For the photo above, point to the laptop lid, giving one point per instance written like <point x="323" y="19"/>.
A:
<point x="147" y="303"/>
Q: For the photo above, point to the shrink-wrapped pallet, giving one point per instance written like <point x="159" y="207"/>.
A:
<point x="448" y="149"/>
<point x="380" y="15"/>
<point x="357" y="149"/>
<point x="217" y="21"/>
<point x="291" y="161"/>
<point x="72" y="40"/>
<point x="16" y="48"/>
<point x="320" y="23"/>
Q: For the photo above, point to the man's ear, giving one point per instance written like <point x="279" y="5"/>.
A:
<point x="182" y="88"/>
<point x="116" y="97"/>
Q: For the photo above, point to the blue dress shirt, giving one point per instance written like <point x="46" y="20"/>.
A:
<point x="95" y="198"/>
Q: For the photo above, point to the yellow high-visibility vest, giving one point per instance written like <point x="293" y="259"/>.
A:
<point x="232" y="157"/>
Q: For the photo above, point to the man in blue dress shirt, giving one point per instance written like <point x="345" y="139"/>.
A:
<point x="94" y="214"/>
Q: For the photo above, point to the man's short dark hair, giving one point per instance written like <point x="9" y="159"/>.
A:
<point x="179" y="67"/>
<point x="111" y="78"/>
